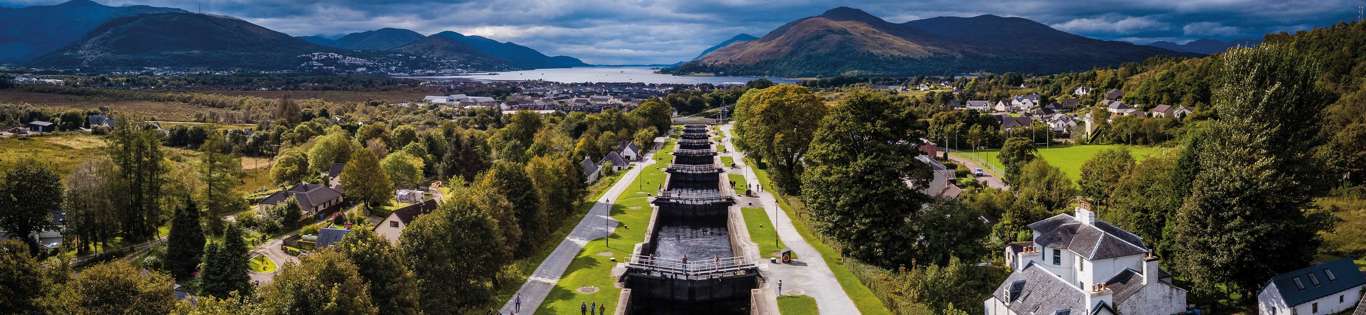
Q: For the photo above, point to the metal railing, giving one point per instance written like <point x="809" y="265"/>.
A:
<point x="706" y="268"/>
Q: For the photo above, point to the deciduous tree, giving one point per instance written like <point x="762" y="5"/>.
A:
<point x="457" y="252"/>
<point x="510" y="179"/>
<point x="1015" y="153"/>
<point x="21" y="281"/>
<point x="1102" y="173"/>
<point x="393" y="286"/>
<point x="117" y="288"/>
<point x="403" y="169"/>
<point x="291" y="166"/>
<point x="29" y="194"/>
<point x="321" y="283"/>
<point x="776" y="124"/>
<point x="362" y="179"/>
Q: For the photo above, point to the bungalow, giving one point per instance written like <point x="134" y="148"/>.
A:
<point x="393" y="226"/>
<point x="1010" y="122"/>
<point x="590" y="170"/>
<point x="311" y="198"/>
<point x="39" y="126"/>
<point x="99" y="121"/>
<point x="629" y="151"/>
<point x="1081" y="265"/>
<point x="1025" y="103"/>
<point x="1327" y="288"/>
<point x="1001" y="107"/>
<point x="1118" y="107"/>
<point x="329" y="236"/>
<point x="979" y="105"/>
<point x="1168" y="111"/>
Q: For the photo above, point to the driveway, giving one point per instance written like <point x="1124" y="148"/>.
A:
<point x="990" y="180"/>
<point x="274" y="250"/>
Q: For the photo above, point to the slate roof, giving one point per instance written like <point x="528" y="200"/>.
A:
<point x="1069" y="103"/>
<point x="1344" y="276"/>
<point x="615" y="159"/>
<point x="1113" y="94"/>
<point x="587" y="166"/>
<point x="411" y="212"/>
<point x="307" y="195"/>
<point x="1166" y="109"/>
<point x="1033" y="290"/>
<point x="1099" y="241"/>
<point x="629" y="145"/>
<point x="1008" y="122"/>
<point x="982" y="104"/>
<point x="329" y="236"/>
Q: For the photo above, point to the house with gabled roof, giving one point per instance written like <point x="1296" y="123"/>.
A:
<point x="1327" y="288"/>
<point x="629" y="151"/>
<point x="590" y="170"/>
<point x="392" y="227"/>
<point x="979" y="105"/>
<point x="618" y="163"/>
<point x="311" y="198"/>
<point x="1081" y="265"/>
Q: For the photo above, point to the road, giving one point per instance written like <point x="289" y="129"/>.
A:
<point x="273" y="249"/>
<point x="808" y="275"/>
<point x="548" y="274"/>
<point x="990" y="180"/>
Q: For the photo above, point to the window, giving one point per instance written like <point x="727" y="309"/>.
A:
<point x="1330" y="274"/>
<point x="393" y="224"/>
<point x="1057" y="257"/>
<point x="1316" y="307"/>
<point x="1339" y="298"/>
<point x="1315" y="279"/>
<point x="1081" y="265"/>
<point x="1298" y="283"/>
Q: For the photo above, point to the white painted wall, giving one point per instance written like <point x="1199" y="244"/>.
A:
<point x="1269" y="302"/>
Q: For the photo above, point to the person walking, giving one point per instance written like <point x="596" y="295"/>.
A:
<point x="593" y="308"/>
<point x="602" y="309"/>
<point x="583" y="309"/>
<point x="517" y="304"/>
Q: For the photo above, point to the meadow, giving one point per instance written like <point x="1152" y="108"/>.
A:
<point x="1066" y="158"/>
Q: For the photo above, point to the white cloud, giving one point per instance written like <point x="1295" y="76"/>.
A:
<point x="1209" y="29"/>
<point x="1113" y="25"/>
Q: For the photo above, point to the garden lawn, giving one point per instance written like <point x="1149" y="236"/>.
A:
<point x="727" y="161"/>
<point x="262" y="264"/>
<point x="797" y="305"/>
<point x="738" y="183"/>
<point x="590" y="269"/>
<point x="1066" y="158"/>
<point x="761" y="232"/>
<point x="863" y="298"/>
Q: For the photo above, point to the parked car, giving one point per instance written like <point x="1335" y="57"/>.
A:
<point x="978" y="172"/>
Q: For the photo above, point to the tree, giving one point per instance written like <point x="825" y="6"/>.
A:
<point x="29" y="194"/>
<point x="1249" y="215"/>
<point x="1144" y="201"/>
<point x="1044" y="189"/>
<point x="950" y="229"/>
<point x="1102" y="173"/>
<point x="291" y="166"/>
<point x="405" y="170"/>
<point x="185" y="244"/>
<point x="221" y="173"/>
<point x="456" y="251"/>
<point x="656" y="114"/>
<point x="403" y="135"/>
<point x="363" y="180"/>
<point x="321" y="283"/>
<point x="335" y="147"/>
<point x="226" y="267"/>
<point x="1015" y="153"/>
<point x="855" y="185"/>
<point x="559" y="184"/>
<point x="393" y="286"/>
<point x="21" y="281"/>
<point x="137" y="156"/>
<point x="117" y="288"/>
<point x="645" y="138"/>
<point x="510" y="179"/>
<point x="775" y="124"/>
<point x="466" y="156"/>
<point x="88" y="201"/>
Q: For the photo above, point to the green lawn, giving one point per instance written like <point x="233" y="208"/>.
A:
<point x="797" y="305"/>
<point x="590" y="269"/>
<point x="727" y="161"/>
<point x="739" y="184"/>
<point x="1348" y="235"/>
<point x="262" y="264"/>
<point x="864" y="299"/>
<point x="1066" y="158"/>
<point x="761" y="232"/>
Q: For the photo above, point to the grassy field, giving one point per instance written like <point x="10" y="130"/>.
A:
<point x="797" y="305"/>
<point x="63" y="151"/>
<point x="864" y="299"/>
<point x="1066" y="158"/>
<point x="738" y="183"/>
<point x="1348" y="236"/>
<point x="592" y="269"/>
<point x="144" y="109"/>
<point x="761" y="232"/>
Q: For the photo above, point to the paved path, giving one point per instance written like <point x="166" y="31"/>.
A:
<point x="539" y="284"/>
<point x="991" y="180"/>
<point x="274" y="250"/>
<point x="808" y="275"/>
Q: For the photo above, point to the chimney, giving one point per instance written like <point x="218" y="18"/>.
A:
<point x="1097" y="295"/>
<point x="1150" y="269"/>
<point x="1085" y="215"/>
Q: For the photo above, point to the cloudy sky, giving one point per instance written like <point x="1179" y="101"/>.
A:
<point x="666" y="31"/>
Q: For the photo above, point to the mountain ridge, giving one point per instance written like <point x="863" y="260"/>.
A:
<point x="740" y="38"/>
<point x="30" y="32"/>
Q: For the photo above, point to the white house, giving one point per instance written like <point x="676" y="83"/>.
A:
<point x="1081" y="265"/>
<point x="393" y="226"/>
<point x="1326" y="288"/>
<point x="590" y="170"/>
<point x="979" y="105"/>
<point x="629" y="151"/>
<point x="1081" y="91"/>
<point x="1025" y="103"/>
<point x="1118" y="108"/>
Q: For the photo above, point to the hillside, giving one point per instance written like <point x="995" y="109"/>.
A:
<point x="846" y="40"/>
<point x="27" y="33"/>
<point x="737" y="39"/>
<point x="516" y="56"/>
<point x="451" y="52"/>
<point x="380" y="39"/>
<point x="199" y="41"/>
<point x="1201" y="46"/>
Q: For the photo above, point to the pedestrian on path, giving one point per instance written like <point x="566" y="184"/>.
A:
<point x="780" y="287"/>
<point x="602" y="309"/>
<point x="517" y="304"/>
<point x="583" y="309"/>
<point x="593" y="308"/>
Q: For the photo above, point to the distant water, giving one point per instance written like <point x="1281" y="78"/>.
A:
<point x="605" y="75"/>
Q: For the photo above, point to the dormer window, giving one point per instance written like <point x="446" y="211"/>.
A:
<point x="1313" y="278"/>
<point x="1057" y="257"/>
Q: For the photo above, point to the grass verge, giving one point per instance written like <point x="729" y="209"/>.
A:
<point x="592" y="268"/>
<point x="797" y="305"/>
<point x="737" y="182"/>
<point x="262" y="264"/>
<point x="761" y="232"/>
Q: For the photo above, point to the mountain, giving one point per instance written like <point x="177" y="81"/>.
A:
<point x="850" y="41"/>
<point x="1202" y="46"/>
<point x="380" y="39"/>
<point x="319" y="40"/>
<point x="452" y="53"/>
<point x="26" y="33"/>
<point x="515" y="55"/>
<point x="199" y="40"/>
<point x="737" y="39"/>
